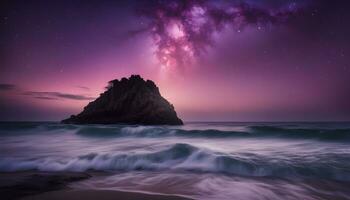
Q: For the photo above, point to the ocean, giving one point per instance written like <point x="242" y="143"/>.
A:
<point x="200" y="160"/>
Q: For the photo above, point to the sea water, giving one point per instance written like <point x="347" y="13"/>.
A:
<point x="198" y="160"/>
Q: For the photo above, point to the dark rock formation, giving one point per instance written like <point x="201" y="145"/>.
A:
<point x="129" y="101"/>
<point x="16" y="185"/>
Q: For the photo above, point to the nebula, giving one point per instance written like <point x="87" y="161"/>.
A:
<point x="183" y="30"/>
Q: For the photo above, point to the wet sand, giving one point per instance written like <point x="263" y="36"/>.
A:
<point x="15" y="185"/>
<point x="101" y="195"/>
<point x="33" y="185"/>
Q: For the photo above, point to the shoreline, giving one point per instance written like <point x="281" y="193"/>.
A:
<point x="37" y="185"/>
<point x="90" y="194"/>
<point x="15" y="185"/>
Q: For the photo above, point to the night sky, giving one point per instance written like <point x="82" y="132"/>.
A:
<point x="230" y="60"/>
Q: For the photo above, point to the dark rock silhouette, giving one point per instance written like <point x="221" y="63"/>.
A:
<point x="129" y="101"/>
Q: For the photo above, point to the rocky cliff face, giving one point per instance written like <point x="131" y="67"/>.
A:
<point x="129" y="101"/>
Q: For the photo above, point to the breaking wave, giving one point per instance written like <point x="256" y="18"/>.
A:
<point x="253" y="131"/>
<point x="183" y="157"/>
<point x="289" y="132"/>
<point x="328" y="134"/>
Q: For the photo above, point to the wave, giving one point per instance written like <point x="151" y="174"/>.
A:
<point x="342" y="135"/>
<point x="152" y="131"/>
<point x="250" y="131"/>
<point x="307" y="133"/>
<point x="182" y="157"/>
<point x="17" y="128"/>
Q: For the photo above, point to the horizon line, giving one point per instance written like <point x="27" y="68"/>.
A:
<point x="204" y="121"/>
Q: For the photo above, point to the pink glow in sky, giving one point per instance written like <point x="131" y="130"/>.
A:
<point x="214" y="60"/>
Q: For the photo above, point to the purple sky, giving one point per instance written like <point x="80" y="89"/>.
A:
<point x="230" y="60"/>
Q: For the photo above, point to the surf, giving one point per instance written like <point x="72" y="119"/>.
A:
<point x="183" y="157"/>
<point x="336" y="134"/>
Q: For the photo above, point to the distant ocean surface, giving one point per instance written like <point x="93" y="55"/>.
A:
<point x="198" y="160"/>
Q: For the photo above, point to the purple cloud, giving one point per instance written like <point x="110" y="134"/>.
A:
<point x="57" y="96"/>
<point x="7" y="87"/>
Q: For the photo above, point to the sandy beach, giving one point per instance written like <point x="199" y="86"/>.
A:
<point x="15" y="185"/>
<point x="100" y="195"/>
<point x="33" y="185"/>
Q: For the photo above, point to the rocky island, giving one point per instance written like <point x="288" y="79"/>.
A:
<point x="128" y="101"/>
